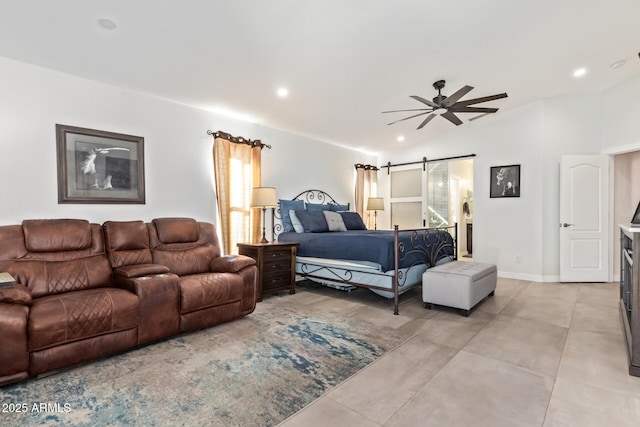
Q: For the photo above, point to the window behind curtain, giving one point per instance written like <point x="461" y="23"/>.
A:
<point x="237" y="170"/>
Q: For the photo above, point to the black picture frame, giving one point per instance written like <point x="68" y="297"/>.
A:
<point x="96" y="166"/>
<point x="505" y="181"/>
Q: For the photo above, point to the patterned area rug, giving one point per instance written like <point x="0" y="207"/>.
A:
<point x="254" y="371"/>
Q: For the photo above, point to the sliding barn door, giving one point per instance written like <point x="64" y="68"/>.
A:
<point x="408" y="197"/>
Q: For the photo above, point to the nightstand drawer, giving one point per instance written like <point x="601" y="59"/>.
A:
<point x="282" y="255"/>
<point x="274" y="281"/>
<point x="276" y="274"/>
<point x="268" y="267"/>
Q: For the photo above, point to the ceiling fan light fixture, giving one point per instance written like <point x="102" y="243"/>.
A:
<point x="447" y="107"/>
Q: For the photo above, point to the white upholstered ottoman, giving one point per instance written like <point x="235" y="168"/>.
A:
<point x="458" y="284"/>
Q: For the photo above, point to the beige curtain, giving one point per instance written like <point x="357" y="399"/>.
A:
<point x="366" y="186"/>
<point x="237" y="168"/>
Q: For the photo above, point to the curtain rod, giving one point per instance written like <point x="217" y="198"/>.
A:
<point x="366" y="167"/>
<point x="238" y="139"/>
<point x="424" y="161"/>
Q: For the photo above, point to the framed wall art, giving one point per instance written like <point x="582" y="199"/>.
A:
<point x="505" y="181"/>
<point x="96" y="166"/>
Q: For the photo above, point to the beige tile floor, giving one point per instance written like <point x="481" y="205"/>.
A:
<point x="536" y="354"/>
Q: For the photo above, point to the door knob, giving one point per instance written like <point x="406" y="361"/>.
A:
<point x="564" y="224"/>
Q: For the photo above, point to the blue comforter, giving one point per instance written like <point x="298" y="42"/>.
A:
<point x="374" y="246"/>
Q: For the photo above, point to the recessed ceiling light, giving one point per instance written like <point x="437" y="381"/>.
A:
<point x="283" y="92"/>
<point x="580" y="72"/>
<point x="107" y="24"/>
<point x="618" y="64"/>
<point x="400" y="138"/>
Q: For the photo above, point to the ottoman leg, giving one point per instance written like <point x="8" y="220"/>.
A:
<point x="464" y="313"/>
<point x="428" y="305"/>
<point x="492" y="293"/>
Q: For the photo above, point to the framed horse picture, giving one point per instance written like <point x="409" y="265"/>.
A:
<point x="96" y="166"/>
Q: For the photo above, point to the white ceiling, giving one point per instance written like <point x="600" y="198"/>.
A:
<point x="343" y="61"/>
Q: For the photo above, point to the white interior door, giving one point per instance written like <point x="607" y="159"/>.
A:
<point x="584" y="218"/>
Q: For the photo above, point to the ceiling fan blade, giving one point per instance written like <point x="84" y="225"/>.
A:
<point x="425" y="101"/>
<point x="450" y="100"/>
<point x="413" y="109"/>
<point x="452" y="118"/>
<point x="427" y="120"/>
<point x="407" y="118"/>
<point x="477" y="117"/>
<point x="483" y="99"/>
<point x="463" y="109"/>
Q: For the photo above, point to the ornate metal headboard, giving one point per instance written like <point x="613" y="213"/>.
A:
<point x="307" y="196"/>
<point x="316" y="196"/>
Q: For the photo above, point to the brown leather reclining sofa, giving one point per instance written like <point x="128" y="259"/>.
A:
<point x="85" y="291"/>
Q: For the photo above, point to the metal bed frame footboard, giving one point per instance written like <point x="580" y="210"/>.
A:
<point x="418" y="244"/>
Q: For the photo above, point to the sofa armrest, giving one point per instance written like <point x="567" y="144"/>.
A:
<point x="18" y="294"/>
<point x="230" y="263"/>
<point x="159" y="297"/>
<point x="14" y="356"/>
<point x="140" y="270"/>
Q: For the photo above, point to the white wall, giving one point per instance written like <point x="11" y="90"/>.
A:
<point x="519" y="235"/>
<point x="620" y="113"/>
<point x="178" y="159"/>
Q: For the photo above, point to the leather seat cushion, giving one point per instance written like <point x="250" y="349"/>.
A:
<point x="73" y="316"/>
<point x="199" y="291"/>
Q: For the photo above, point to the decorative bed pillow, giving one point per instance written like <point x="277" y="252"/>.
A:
<point x="339" y="208"/>
<point x="334" y="221"/>
<point x="317" y="207"/>
<point x="297" y="225"/>
<point x="353" y="221"/>
<point x="313" y="222"/>
<point x="285" y="207"/>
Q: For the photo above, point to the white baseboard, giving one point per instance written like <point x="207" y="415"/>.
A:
<point x="538" y="278"/>
<point x="528" y="277"/>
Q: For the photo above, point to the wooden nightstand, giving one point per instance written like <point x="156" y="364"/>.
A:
<point x="276" y="265"/>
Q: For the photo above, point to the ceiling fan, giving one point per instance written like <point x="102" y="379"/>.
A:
<point x="446" y="106"/>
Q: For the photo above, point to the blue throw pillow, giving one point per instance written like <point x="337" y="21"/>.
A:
<point x="285" y="207"/>
<point x="339" y="208"/>
<point x="313" y="222"/>
<point x="317" y="207"/>
<point x="353" y="221"/>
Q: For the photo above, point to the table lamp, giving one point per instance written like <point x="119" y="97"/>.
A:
<point x="263" y="197"/>
<point x="375" y="204"/>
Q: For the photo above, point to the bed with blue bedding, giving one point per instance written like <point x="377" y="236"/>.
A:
<point x="335" y="248"/>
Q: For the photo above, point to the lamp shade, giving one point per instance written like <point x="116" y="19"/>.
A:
<point x="263" y="197"/>
<point x="375" y="204"/>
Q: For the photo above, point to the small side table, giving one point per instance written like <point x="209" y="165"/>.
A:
<point x="276" y="265"/>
